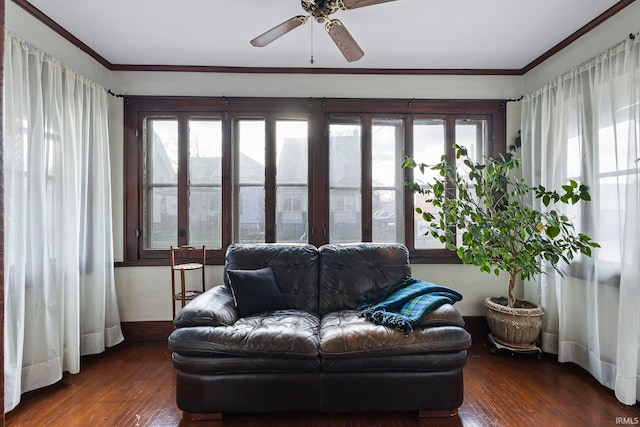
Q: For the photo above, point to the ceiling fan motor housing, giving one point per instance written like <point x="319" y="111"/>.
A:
<point x="321" y="9"/>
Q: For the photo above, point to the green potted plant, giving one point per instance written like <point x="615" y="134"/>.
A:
<point x="483" y="213"/>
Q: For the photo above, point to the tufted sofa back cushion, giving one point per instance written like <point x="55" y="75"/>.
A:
<point x="352" y="272"/>
<point x="294" y="265"/>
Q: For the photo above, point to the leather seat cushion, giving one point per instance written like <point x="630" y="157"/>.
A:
<point x="435" y="361"/>
<point x="279" y="334"/>
<point x="344" y="334"/>
<point x="229" y="365"/>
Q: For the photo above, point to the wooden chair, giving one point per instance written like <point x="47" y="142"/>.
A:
<point x="184" y="256"/>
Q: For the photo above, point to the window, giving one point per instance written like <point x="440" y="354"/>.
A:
<point x="212" y="171"/>
<point x="387" y="179"/>
<point x="608" y="179"/>
<point x="164" y="220"/>
<point x="345" y="180"/>
<point x="160" y="182"/>
<point x="249" y="218"/>
<point x="292" y="177"/>
<point x="429" y="136"/>
<point x="205" y="182"/>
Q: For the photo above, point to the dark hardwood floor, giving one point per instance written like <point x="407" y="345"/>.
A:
<point x="133" y="385"/>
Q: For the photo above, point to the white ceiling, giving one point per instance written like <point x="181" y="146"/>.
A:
<point x="427" y="34"/>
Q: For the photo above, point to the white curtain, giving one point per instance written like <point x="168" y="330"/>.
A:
<point x="585" y="125"/>
<point x="59" y="290"/>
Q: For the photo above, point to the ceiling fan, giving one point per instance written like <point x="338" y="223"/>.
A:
<point x="320" y="10"/>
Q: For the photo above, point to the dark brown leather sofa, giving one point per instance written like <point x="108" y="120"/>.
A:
<point x="317" y="355"/>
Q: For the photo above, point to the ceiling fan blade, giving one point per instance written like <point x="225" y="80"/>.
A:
<point x="279" y="31"/>
<point x="345" y="42"/>
<point x="353" y="4"/>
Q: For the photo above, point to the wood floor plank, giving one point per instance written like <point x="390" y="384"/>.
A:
<point x="133" y="384"/>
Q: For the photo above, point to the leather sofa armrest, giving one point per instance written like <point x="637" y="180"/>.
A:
<point x="215" y="307"/>
<point x="445" y="315"/>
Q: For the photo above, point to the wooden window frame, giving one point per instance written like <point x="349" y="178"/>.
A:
<point x="318" y="112"/>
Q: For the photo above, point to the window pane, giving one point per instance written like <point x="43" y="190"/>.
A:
<point x="574" y="158"/>
<point x="160" y="183"/>
<point x="471" y="134"/>
<point x="613" y="147"/>
<point x="205" y="217"/>
<point x="291" y="181"/>
<point x="291" y="216"/>
<point x="250" y="161"/>
<point x="251" y="146"/>
<point x="345" y="222"/>
<point x="387" y="179"/>
<point x="162" y="151"/>
<point x="428" y="147"/>
<point x="205" y="178"/>
<point x="613" y="191"/>
<point x="205" y="152"/>
<point x="385" y="216"/>
<point x="250" y="224"/>
<point x="161" y="206"/>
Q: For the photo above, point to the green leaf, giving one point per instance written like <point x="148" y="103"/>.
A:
<point x="552" y="231"/>
<point x="408" y="163"/>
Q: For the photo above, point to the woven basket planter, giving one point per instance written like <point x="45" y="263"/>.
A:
<point x="517" y="327"/>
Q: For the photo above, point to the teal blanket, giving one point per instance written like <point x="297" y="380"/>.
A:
<point x="407" y="303"/>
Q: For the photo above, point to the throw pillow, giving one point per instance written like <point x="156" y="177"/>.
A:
<point x="255" y="291"/>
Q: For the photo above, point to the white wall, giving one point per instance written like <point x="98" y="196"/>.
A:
<point x="144" y="292"/>
<point x="316" y="85"/>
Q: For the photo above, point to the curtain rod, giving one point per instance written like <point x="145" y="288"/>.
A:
<point x="566" y="74"/>
<point x="632" y="36"/>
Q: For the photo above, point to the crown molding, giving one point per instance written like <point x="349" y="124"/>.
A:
<point x="613" y="10"/>
<point x="310" y="70"/>
<point x="38" y="14"/>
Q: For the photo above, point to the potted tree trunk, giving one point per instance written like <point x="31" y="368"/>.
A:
<point x="484" y="214"/>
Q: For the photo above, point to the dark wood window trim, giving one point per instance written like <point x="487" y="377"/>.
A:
<point x="318" y="112"/>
